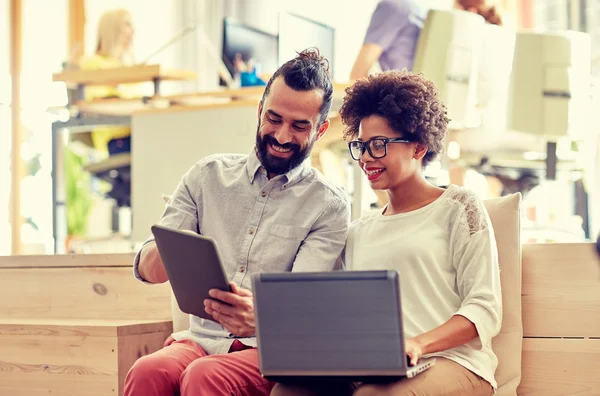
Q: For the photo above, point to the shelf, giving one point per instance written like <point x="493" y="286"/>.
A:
<point x="116" y="161"/>
<point x="122" y="75"/>
<point x="510" y="149"/>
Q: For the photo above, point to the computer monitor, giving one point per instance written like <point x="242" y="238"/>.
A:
<point x="250" y="43"/>
<point x="297" y="33"/>
<point x="449" y="53"/>
<point x="550" y="84"/>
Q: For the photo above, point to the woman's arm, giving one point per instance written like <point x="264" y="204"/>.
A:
<point x="457" y="331"/>
<point x="388" y="19"/>
<point x="475" y="259"/>
<point x="368" y="55"/>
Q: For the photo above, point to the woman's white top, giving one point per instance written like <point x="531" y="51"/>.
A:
<point x="447" y="260"/>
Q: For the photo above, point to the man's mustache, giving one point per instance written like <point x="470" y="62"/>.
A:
<point x="271" y="140"/>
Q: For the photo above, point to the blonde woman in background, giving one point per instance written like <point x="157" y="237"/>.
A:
<point x="114" y="48"/>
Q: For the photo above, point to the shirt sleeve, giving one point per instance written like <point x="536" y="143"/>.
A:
<point x="475" y="259"/>
<point x="182" y="211"/>
<point x="340" y="263"/>
<point x="386" y="22"/>
<point x="321" y="249"/>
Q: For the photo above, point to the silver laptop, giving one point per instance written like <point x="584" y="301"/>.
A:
<point x="331" y="325"/>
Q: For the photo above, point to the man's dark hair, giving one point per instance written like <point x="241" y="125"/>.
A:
<point x="408" y="102"/>
<point x="306" y="72"/>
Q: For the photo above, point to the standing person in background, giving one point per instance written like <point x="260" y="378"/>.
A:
<point x="394" y="30"/>
<point x="114" y="48"/>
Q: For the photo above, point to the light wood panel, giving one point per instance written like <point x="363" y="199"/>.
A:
<point x="28" y="381"/>
<point x="114" y="161"/>
<point x="132" y="347"/>
<point x="85" y="293"/>
<point x="73" y="360"/>
<point x="74" y="324"/>
<point x="233" y="94"/>
<point x="561" y="290"/>
<point x="181" y="102"/>
<point x="76" y="40"/>
<point x="560" y="367"/>
<point x="206" y="106"/>
<point x="81" y="327"/>
<point x="122" y="75"/>
<point x="17" y="167"/>
<point x="61" y="365"/>
<point x="67" y="261"/>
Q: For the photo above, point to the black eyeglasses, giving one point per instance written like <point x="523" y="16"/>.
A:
<point x="377" y="147"/>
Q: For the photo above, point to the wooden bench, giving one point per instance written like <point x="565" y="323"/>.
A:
<point x="74" y="325"/>
<point x="561" y="320"/>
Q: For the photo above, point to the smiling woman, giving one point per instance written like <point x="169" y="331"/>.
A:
<point x="440" y="240"/>
<point x="404" y="108"/>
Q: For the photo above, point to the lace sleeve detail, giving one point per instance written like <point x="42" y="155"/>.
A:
<point x="472" y="215"/>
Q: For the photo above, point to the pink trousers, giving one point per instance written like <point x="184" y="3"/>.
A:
<point x="184" y="368"/>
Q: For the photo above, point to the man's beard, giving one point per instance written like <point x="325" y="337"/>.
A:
<point x="280" y="166"/>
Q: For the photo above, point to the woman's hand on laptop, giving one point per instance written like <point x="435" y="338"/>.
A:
<point x="414" y="350"/>
<point x="235" y="310"/>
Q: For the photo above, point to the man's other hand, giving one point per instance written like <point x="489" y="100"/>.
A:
<point x="235" y="310"/>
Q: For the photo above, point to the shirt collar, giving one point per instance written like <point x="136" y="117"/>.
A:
<point x="253" y="166"/>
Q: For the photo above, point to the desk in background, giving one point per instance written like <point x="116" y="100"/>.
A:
<point x="168" y="135"/>
<point x="83" y="119"/>
<point x="167" y="142"/>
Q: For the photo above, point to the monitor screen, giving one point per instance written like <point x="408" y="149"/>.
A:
<point x="297" y="33"/>
<point x="251" y="44"/>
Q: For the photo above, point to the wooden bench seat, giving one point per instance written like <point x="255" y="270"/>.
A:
<point x="73" y="356"/>
<point x="561" y="320"/>
<point x="74" y="324"/>
<point x="560" y="367"/>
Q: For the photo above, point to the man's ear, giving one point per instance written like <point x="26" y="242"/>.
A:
<point x="259" y="109"/>
<point x="420" y="151"/>
<point x="322" y="129"/>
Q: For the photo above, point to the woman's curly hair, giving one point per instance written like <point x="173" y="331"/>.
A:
<point x="408" y="102"/>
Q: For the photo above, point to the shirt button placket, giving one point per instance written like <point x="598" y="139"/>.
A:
<point x="242" y="268"/>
